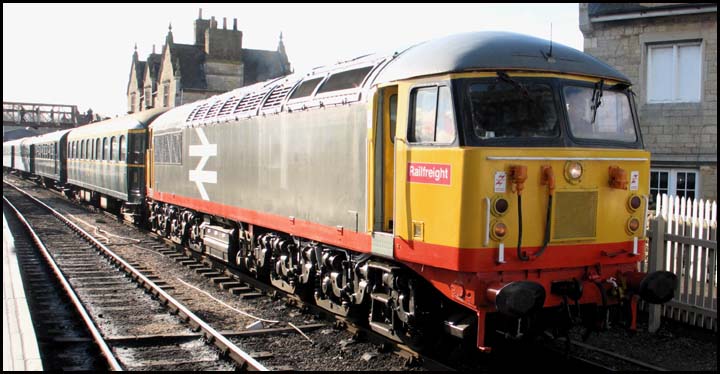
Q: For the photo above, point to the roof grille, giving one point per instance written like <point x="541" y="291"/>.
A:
<point x="250" y="102"/>
<point x="277" y="97"/>
<point x="229" y="105"/>
<point x="214" y="109"/>
<point x="199" y="112"/>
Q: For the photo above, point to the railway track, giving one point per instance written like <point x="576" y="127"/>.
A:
<point x="337" y="343"/>
<point x="132" y="329"/>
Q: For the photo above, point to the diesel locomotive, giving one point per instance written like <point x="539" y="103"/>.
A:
<point x="471" y="184"/>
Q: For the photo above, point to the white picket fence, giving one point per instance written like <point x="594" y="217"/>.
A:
<point x="683" y="240"/>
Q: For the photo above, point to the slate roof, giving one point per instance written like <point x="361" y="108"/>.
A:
<point x="154" y="61"/>
<point x="140" y="73"/>
<point x="190" y="60"/>
<point x="261" y="65"/>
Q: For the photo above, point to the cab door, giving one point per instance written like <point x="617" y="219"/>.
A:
<point x="384" y="170"/>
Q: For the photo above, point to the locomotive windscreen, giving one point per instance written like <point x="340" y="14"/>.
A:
<point x="501" y="109"/>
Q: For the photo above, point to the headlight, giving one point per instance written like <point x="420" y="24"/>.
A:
<point x="499" y="206"/>
<point x="573" y="171"/>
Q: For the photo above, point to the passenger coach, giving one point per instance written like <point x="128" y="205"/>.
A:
<point x="50" y="157"/>
<point x="106" y="161"/>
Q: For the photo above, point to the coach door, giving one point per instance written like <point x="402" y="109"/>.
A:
<point x="384" y="171"/>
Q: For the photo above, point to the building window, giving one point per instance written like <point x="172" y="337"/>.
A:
<point x="148" y="98"/>
<point x="674" y="182"/>
<point x="132" y="103"/>
<point x="674" y="72"/>
<point x="166" y="95"/>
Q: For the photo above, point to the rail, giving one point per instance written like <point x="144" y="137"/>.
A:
<point x="245" y="361"/>
<point x="97" y="336"/>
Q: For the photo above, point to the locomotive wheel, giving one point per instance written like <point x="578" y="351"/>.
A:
<point x="401" y="307"/>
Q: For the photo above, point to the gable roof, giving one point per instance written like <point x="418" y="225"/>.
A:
<point x="153" y="63"/>
<point x="138" y="68"/>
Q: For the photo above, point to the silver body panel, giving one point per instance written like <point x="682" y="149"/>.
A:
<point x="309" y="164"/>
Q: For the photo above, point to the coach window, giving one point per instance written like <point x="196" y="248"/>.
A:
<point x="113" y="146"/>
<point x="97" y="149"/>
<point x="433" y="120"/>
<point x="82" y="149"/>
<point x="104" y="149"/>
<point x="121" y="148"/>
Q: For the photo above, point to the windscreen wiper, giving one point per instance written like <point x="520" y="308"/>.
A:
<point x="506" y="78"/>
<point x="537" y="110"/>
<point x="595" y="102"/>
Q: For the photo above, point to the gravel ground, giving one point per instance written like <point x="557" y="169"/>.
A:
<point x="674" y="347"/>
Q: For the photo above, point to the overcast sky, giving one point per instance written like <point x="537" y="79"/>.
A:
<point x="80" y="54"/>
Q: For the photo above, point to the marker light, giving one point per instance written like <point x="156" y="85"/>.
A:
<point x="633" y="224"/>
<point x="499" y="230"/>
<point x="634" y="202"/>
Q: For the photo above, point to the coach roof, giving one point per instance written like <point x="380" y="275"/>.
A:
<point x="114" y="125"/>
<point x="493" y="50"/>
<point x="49" y="137"/>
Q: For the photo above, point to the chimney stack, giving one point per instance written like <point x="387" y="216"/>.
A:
<point x="200" y="14"/>
<point x="224" y="23"/>
<point x="234" y="24"/>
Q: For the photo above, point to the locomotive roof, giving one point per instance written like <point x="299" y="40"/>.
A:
<point x="129" y="122"/>
<point x="493" y="50"/>
<point x="49" y="137"/>
<point x="475" y="51"/>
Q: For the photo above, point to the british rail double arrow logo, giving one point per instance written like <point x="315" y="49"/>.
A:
<point x="205" y="151"/>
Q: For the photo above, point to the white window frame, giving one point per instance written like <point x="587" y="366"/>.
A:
<point x="675" y="79"/>
<point x="672" y="180"/>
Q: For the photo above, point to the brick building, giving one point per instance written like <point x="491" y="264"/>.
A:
<point x="669" y="51"/>
<point x="215" y="63"/>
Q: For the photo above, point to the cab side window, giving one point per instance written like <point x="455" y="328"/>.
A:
<point x="433" y="120"/>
